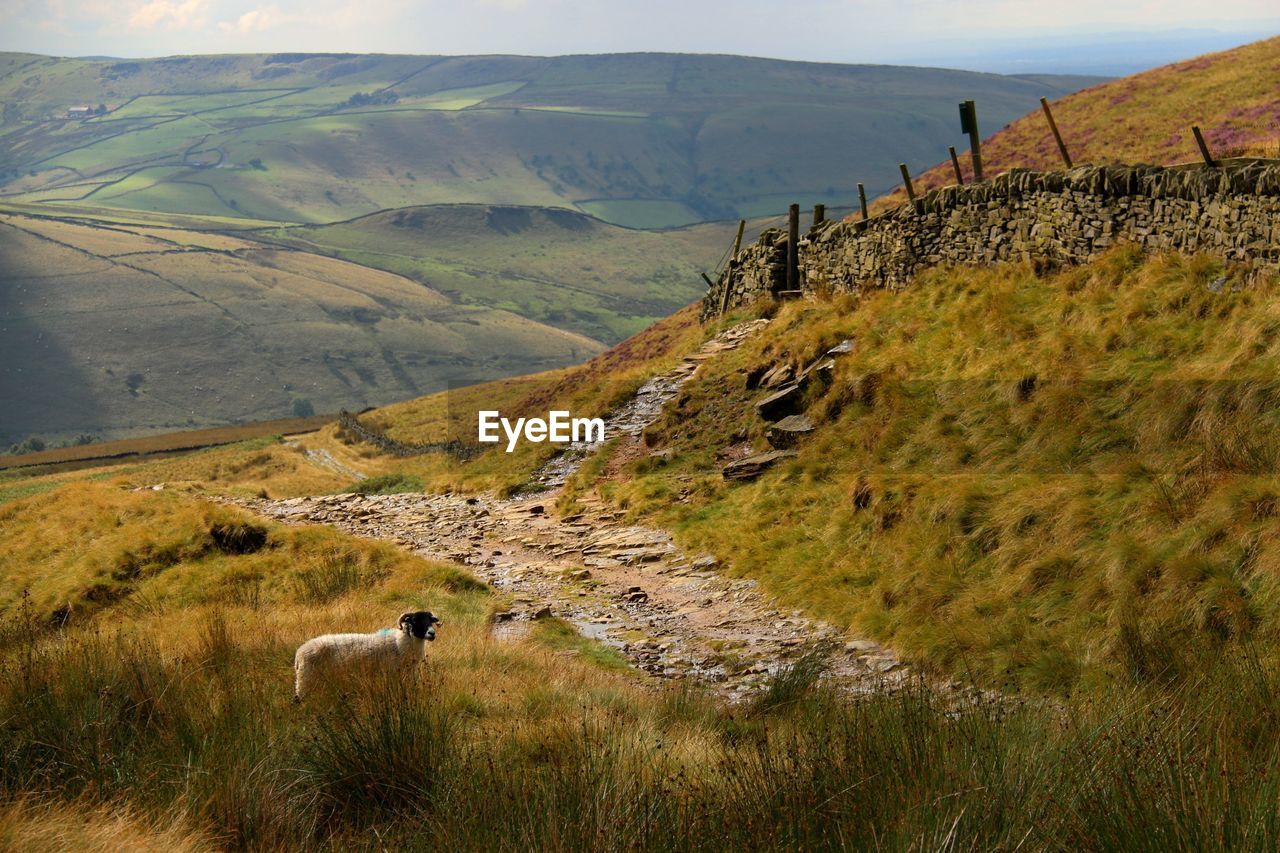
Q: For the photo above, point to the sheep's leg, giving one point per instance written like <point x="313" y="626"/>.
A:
<point x="299" y="678"/>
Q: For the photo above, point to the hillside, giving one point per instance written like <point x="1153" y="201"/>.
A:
<point x="986" y="490"/>
<point x="647" y="140"/>
<point x="1145" y="118"/>
<point x="123" y="331"/>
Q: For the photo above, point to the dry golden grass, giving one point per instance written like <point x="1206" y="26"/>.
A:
<point x="589" y="390"/>
<point x="31" y="826"/>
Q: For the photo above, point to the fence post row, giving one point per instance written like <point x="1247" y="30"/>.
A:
<point x="969" y="125"/>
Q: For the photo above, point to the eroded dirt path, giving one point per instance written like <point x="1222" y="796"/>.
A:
<point x="672" y="614"/>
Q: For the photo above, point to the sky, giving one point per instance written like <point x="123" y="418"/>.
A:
<point x="994" y="35"/>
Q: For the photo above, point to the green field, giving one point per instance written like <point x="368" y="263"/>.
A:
<point x="653" y="141"/>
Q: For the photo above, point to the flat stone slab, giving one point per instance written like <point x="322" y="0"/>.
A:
<point x="754" y="466"/>
<point x="788" y="431"/>
<point x="779" y="404"/>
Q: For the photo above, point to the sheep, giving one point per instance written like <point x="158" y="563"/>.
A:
<point x="390" y="646"/>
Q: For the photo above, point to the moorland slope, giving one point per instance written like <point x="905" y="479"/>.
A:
<point x="1145" y="118"/>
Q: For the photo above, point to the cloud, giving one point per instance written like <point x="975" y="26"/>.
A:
<point x="255" y="21"/>
<point x="191" y="14"/>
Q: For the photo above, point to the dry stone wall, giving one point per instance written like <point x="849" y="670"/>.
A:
<point x="1232" y="210"/>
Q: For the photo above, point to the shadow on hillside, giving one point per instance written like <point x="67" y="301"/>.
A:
<point x="44" y="385"/>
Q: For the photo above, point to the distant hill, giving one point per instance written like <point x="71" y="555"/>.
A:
<point x="1232" y="96"/>
<point x="558" y="267"/>
<point x="120" y="331"/>
<point x="646" y="140"/>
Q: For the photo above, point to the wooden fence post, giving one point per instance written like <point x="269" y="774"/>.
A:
<point x="1204" y="149"/>
<point x="819" y="214"/>
<point x="911" y="192"/>
<point x="793" y="248"/>
<point x="733" y="256"/>
<point x="955" y="164"/>
<point x="969" y="125"/>
<point x="1053" y="126"/>
<point x="862" y="200"/>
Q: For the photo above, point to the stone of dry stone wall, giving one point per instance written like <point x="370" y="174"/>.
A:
<point x="1069" y="217"/>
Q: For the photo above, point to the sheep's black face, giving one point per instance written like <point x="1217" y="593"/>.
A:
<point x="420" y="625"/>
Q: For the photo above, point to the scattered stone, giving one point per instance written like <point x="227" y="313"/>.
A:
<point x="788" y="431"/>
<point x="777" y="376"/>
<point x="543" y="613"/>
<point x="779" y="404"/>
<point x="820" y="369"/>
<point x="754" y="466"/>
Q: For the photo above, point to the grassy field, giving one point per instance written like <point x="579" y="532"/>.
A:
<point x="1145" y="118"/>
<point x="650" y="140"/>
<point x="111" y="332"/>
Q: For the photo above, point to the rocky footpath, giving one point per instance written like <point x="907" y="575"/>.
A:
<point x="643" y="408"/>
<point x="673" y="615"/>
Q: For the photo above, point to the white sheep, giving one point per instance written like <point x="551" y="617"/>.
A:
<point x="391" y="646"/>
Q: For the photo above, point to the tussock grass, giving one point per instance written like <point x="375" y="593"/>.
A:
<point x="388" y="484"/>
